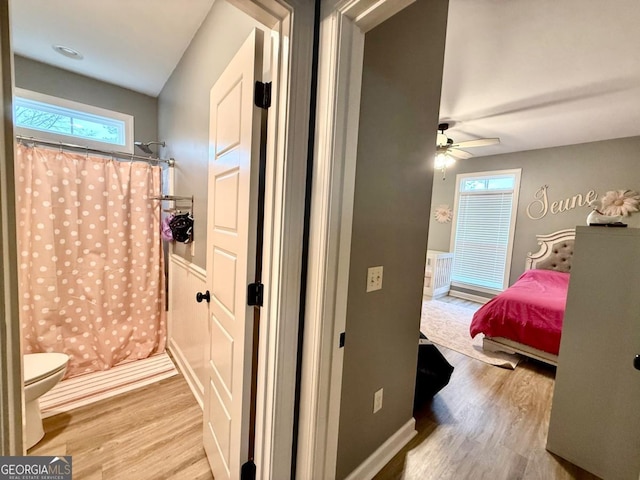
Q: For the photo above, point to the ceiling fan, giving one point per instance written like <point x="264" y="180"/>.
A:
<point x="446" y="146"/>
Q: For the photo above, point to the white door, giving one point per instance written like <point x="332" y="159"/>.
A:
<point x="234" y="147"/>
<point x="594" y="421"/>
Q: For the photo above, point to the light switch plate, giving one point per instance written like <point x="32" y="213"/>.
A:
<point x="374" y="279"/>
<point x="377" y="400"/>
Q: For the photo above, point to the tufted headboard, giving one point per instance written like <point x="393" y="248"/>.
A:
<point x="556" y="251"/>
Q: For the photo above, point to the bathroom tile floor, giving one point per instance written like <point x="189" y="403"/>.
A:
<point x="151" y="433"/>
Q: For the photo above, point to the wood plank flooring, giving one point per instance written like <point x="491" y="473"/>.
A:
<point x="488" y="423"/>
<point x="151" y="433"/>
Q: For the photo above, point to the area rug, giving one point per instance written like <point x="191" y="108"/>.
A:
<point x="86" y="389"/>
<point x="447" y="325"/>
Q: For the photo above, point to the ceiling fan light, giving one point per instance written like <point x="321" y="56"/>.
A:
<point x="443" y="160"/>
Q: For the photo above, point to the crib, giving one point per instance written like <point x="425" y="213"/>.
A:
<point x="437" y="273"/>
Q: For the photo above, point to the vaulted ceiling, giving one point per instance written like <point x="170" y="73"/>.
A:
<point x="135" y="44"/>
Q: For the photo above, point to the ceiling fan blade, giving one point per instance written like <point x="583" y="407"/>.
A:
<point x="481" y="142"/>
<point x="460" y="154"/>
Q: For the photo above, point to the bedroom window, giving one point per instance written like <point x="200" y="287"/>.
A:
<point x="485" y="213"/>
<point x="60" y="120"/>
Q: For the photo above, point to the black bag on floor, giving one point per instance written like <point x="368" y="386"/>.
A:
<point x="433" y="374"/>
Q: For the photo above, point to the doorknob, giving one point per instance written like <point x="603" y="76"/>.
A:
<point x="636" y="362"/>
<point x="203" y="296"/>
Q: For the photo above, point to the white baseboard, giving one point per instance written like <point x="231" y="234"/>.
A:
<point x="187" y="372"/>
<point x="383" y="455"/>
<point x="468" y="296"/>
<point x="428" y="296"/>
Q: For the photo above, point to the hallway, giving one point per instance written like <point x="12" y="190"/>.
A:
<point x="488" y="423"/>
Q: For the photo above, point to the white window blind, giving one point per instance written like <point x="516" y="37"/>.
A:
<point x="483" y="232"/>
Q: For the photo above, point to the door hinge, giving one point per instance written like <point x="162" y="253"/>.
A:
<point x="341" y="344"/>
<point x="262" y="95"/>
<point x="248" y="471"/>
<point x="255" y="293"/>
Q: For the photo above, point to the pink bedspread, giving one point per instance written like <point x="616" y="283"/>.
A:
<point x="528" y="312"/>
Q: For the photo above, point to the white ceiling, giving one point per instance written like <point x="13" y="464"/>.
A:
<point x="132" y="43"/>
<point x="534" y="73"/>
<point x="541" y="73"/>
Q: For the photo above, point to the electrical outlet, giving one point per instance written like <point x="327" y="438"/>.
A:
<point x="374" y="279"/>
<point x="377" y="400"/>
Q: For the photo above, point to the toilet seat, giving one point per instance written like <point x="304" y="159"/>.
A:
<point x="41" y="365"/>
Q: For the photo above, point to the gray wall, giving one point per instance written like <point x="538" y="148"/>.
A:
<point x="398" y="118"/>
<point x="43" y="78"/>
<point x="570" y="170"/>
<point x="183" y="110"/>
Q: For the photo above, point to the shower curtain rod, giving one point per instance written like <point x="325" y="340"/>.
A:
<point x="83" y="148"/>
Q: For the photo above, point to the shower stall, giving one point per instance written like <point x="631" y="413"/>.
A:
<point x="90" y="256"/>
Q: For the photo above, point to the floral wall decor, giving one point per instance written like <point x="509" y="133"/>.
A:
<point x="443" y="214"/>
<point x="620" y="202"/>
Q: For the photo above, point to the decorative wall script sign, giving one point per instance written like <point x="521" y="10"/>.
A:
<point x="539" y="207"/>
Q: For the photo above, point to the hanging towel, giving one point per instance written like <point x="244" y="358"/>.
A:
<point x="165" y="228"/>
<point x="182" y="227"/>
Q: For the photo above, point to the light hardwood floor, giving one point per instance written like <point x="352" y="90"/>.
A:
<point x="151" y="433"/>
<point x="488" y="423"/>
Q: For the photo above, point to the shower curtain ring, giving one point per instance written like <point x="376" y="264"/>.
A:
<point x="60" y="147"/>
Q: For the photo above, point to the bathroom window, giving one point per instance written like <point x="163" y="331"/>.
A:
<point x="57" y="119"/>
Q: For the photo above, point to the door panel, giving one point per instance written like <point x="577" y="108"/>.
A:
<point x="224" y="279"/>
<point x="228" y="119"/>
<point x="221" y="353"/>
<point x="226" y="202"/>
<point x="234" y="138"/>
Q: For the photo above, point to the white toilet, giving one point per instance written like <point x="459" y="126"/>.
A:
<point x="42" y="371"/>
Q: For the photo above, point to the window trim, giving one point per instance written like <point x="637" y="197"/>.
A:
<point x="82" y="108"/>
<point x="517" y="173"/>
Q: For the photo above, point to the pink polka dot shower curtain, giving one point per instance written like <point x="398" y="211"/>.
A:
<point x="90" y="258"/>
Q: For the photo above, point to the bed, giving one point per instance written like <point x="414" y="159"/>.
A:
<point x="527" y="317"/>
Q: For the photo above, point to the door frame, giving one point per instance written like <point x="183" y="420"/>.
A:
<point x="287" y="145"/>
<point x="11" y="398"/>
<point x="343" y="25"/>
